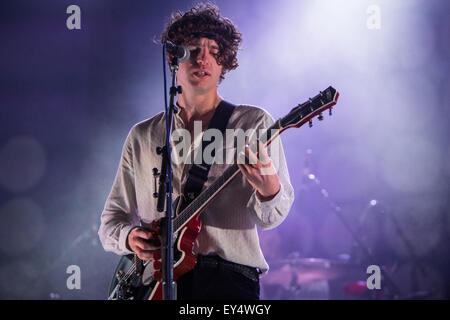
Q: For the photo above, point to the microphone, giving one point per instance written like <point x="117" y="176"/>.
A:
<point x="180" y="52"/>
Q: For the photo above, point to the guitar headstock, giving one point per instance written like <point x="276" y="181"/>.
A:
<point x="304" y="112"/>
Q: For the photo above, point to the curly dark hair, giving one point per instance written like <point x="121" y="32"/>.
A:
<point x="204" y="20"/>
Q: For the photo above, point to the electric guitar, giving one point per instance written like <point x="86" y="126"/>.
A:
<point x="137" y="280"/>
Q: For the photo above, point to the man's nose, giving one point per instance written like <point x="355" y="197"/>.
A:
<point x="201" y="57"/>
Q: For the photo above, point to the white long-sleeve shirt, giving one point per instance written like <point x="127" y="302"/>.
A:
<point x="230" y="221"/>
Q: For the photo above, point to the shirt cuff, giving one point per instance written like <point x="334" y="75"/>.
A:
<point x="123" y="239"/>
<point x="268" y="213"/>
<point x="269" y="204"/>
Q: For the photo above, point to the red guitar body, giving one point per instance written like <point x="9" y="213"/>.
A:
<point x="184" y="258"/>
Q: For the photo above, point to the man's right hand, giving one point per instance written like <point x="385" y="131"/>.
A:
<point x="144" y="243"/>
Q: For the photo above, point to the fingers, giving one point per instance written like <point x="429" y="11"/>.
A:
<point x="252" y="158"/>
<point x="142" y="233"/>
<point x="245" y="171"/>
<point x="255" y="160"/>
<point x="148" y="255"/>
<point x="145" y="254"/>
<point x="263" y="155"/>
<point x="147" y="245"/>
<point x="147" y="240"/>
<point x="144" y="243"/>
<point x="259" y="171"/>
<point x="248" y="158"/>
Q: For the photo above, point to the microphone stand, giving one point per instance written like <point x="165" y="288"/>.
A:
<point x="165" y="190"/>
<point x="395" y="291"/>
<point x="417" y="265"/>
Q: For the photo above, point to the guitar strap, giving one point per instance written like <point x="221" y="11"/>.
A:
<point x="198" y="174"/>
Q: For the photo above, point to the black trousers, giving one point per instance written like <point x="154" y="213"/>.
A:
<point x="216" y="281"/>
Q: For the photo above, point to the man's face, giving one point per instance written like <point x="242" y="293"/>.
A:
<point x="200" y="73"/>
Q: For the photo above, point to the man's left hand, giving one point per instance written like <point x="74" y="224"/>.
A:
<point x="260" y="172"/>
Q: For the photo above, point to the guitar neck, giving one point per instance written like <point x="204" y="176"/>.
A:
<point x="298" y="116"/>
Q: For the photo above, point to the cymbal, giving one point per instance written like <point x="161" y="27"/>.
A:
<point x="306" y="270"/>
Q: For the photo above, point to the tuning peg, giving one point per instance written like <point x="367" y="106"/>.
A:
<point x="320" y="117"/>
<point x="310" y="123"/>
<point x="330" y="111"/>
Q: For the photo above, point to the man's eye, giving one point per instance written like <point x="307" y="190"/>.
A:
<point x="194" y="50"/>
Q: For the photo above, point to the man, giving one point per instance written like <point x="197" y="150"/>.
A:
<point x="229" y="255"/>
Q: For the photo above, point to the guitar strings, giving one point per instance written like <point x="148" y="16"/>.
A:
<point x="131" y="271"/>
